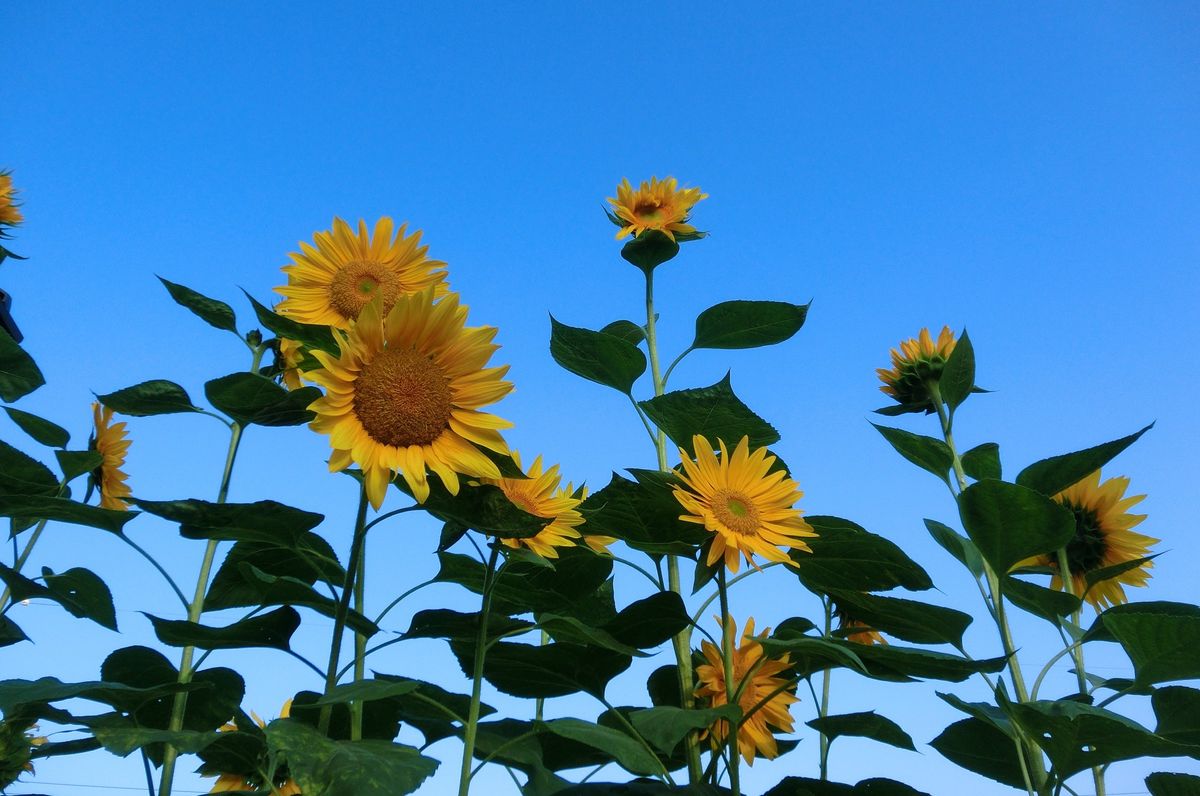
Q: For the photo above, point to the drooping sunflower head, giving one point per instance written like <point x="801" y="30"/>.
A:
<point x="10" y="213"/>
<point x="111" y="441"/>
<point x="1103" y="538"/>
<point x="330" y="283"/>
<point x="405" y="393"/>
<point x="919" y="361"/>
<point x="747" y="506"/>
<point x="541" y="496"/>
<point x="660" y="206"/>
<point x="758" y="678"/>
<point x="846" y="621"/>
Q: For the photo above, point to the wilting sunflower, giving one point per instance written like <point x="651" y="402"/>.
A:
<point x="757" y="678"/>
<point x="405" y="393"/>
<point x="112" y="443"/>
<point x="660" y="206"/>
<point x="540" y="495"/>
<point x="747" y="507"/>
<point x="917" y="362"/>
<point x="1102" y="539"/>
<point x="329" y="284"/>
<point x="284" y="785"/>
<point x="9" y="213"/>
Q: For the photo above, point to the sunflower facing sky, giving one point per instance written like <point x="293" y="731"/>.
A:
<point x="10" y="214"/>
<point x="660" y="206"/>
<point x="1102" y="539"/>
<point x="405" y="393"/>
<point x="540" y="495"/>
<point x="747" y="508"/>
<point x="331" y="283"/>
<point x="755" y="734"/>
<point x="112" y="443"/>
<point x="917" y="361"/>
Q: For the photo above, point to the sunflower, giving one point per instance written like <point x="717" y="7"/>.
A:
<point x="331" y="283"/>
<point x="747" y="507"/>
<point x="9" y="214"/>
<point x="284" y="786"/>
<point x="540" y="495"/>
<point x="288" y="357"/>
<point x="756" y="677"/>
<point x="655" y="205"/>
<point x="404" y="396"/>
<point x="1102" y="539"/>
<point x="846" y="621"/>
<point x="917" y="362"/>
<point x="112" y="443"/>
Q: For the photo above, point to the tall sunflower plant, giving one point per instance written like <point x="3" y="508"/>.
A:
<point x="371" y="348"/>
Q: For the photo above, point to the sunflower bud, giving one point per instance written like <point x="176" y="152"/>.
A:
<point x="917" y="365"/>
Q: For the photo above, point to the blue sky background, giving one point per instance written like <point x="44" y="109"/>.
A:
<point x="1027" y="171"/>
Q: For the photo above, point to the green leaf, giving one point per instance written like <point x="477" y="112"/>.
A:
<point x="447" y="624"/>
<point x="876" y="786"/>
<point x="249" y="398"/>
<point x="257" y="587"/>
<point x="434" y="711"/>
<point x="1160" y="638"/>
<point x="890" y="662"/>
<point x="19" y="374"/>
<point x="484" y="508"/>
<point x="958" y="375"/>
<point x="1049" y="604"/>
<point x="14" y="693"/>
<point x="380" y="717"/>
<point x="64" y="510"/>
<point x="555" y="669"/>
<point x="308" y="335"/>
<point x="76" y="463"/>
<point x="649" y="250"/>
<point x="1076" y="736"/>
<point x="155" y="397"/>
<point x="956" y="545"/>
<point x="273" y="630"/>
<point x="1053" y="475"/>
<point x="925" y="452"/>
<point x="628" y="753"/>
<point x="1178" y="712"/>
<point x="665" y="727"/>
<point x="607" y="359"/>
<point x="644" y="515"/>
<point x="714" y="412"/>
<point x="251" y="571"/>
<point x="213" y="312"/>
<point x="122" y="738"/>
<point x="83" y="594"/>
<point x="1009" y="523"/>
<point x="523" y="587"/>
<point x="650" y="621"/>
<point x="979" y="747"/>
<point x="569" y="629"/>
<point x="866" y="725"/>
<point x="748" y="324"/>
<point x="367" y="691"/>
<point x="910" y="620"/>
<point x="847" y="557"/>
<point x="323" y="767"/>
<point x="1106" y="573"/>
<point x="21" y="474"/>
<point x="982" y="461"/>
<point x="628" y="331"/>
<point x="10" y="632"/>
<point x="261" y="521"/>
<point x="49" y="434"/>
<point x="1162" y="783"/>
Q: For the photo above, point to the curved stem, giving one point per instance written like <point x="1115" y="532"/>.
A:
<point x="195" y="609"/>
<point x="387" y="515"/>
<point x="674" y="362"/>
<point x="645" y="422"/>
<point x="154" y="563"/>
<point x="728" y="643"/>
<point x="343" y="606"/>
<point x="399" y="599"/>
<point x="1037" y="683"/>
<point x="663" y="772"/>
<point x="651" y="578"/>
<point x="715" y="594"/>
<point x="481" y="637"/>
<point x="22" y="558"/>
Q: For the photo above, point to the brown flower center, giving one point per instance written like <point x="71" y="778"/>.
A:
<point x="1088" y="549"/>
<point x="359" y="281"/>
<point x="736" y="512"/>
<point x="402" y="398"/>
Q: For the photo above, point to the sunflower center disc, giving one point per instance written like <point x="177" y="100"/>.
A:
<point x="649" y="211"/>
<point x="1087" y="549"/>
<point x="402" y="398"/>
<point x="736" y="512"/>
<point x="356" y="283"/>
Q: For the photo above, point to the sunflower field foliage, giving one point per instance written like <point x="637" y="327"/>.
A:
<point x="369" y="345"/>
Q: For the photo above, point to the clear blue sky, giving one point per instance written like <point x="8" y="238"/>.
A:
<point x="1028" y="171"/>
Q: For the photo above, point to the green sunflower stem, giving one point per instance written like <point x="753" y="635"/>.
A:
<point x="728" y="643"/>
<point x="1032" y="753"/>
<point x="1064" y="573"/>
<point x="343" y="609"/>
<point x="21" y="559"/>
<point x="195" y="609"/>
<point x="681" y="642"/>
<point x="540" y="704"/>
<point x="481" y="638"/>
<point x="823" y="708"/>
<point x="360" y="643"/>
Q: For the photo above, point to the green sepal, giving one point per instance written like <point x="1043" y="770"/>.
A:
<point x="649" y="250"/>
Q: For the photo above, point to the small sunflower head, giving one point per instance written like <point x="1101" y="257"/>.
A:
<point x="655" y="206"/>
<point x="541" y="495"/>
<point x="111" y="441"/>
<point x="10" y="213"/>
<point x="918" y="363"/>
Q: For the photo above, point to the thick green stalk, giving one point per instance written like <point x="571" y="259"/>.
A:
<point x="481" y="639"/>
<point x="170" y="753"/>
<point x="21" y="559"/>
<point x="343" y="607"/>
<point x="360" y="643"/>
<point x="1032" y="753"/>
<point x="540" y="705"/>
<point x="732" y="688"/>
<point x="1064" y="573"/>
<point x="681" y="642"/>
<point x="823" y="708"/>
